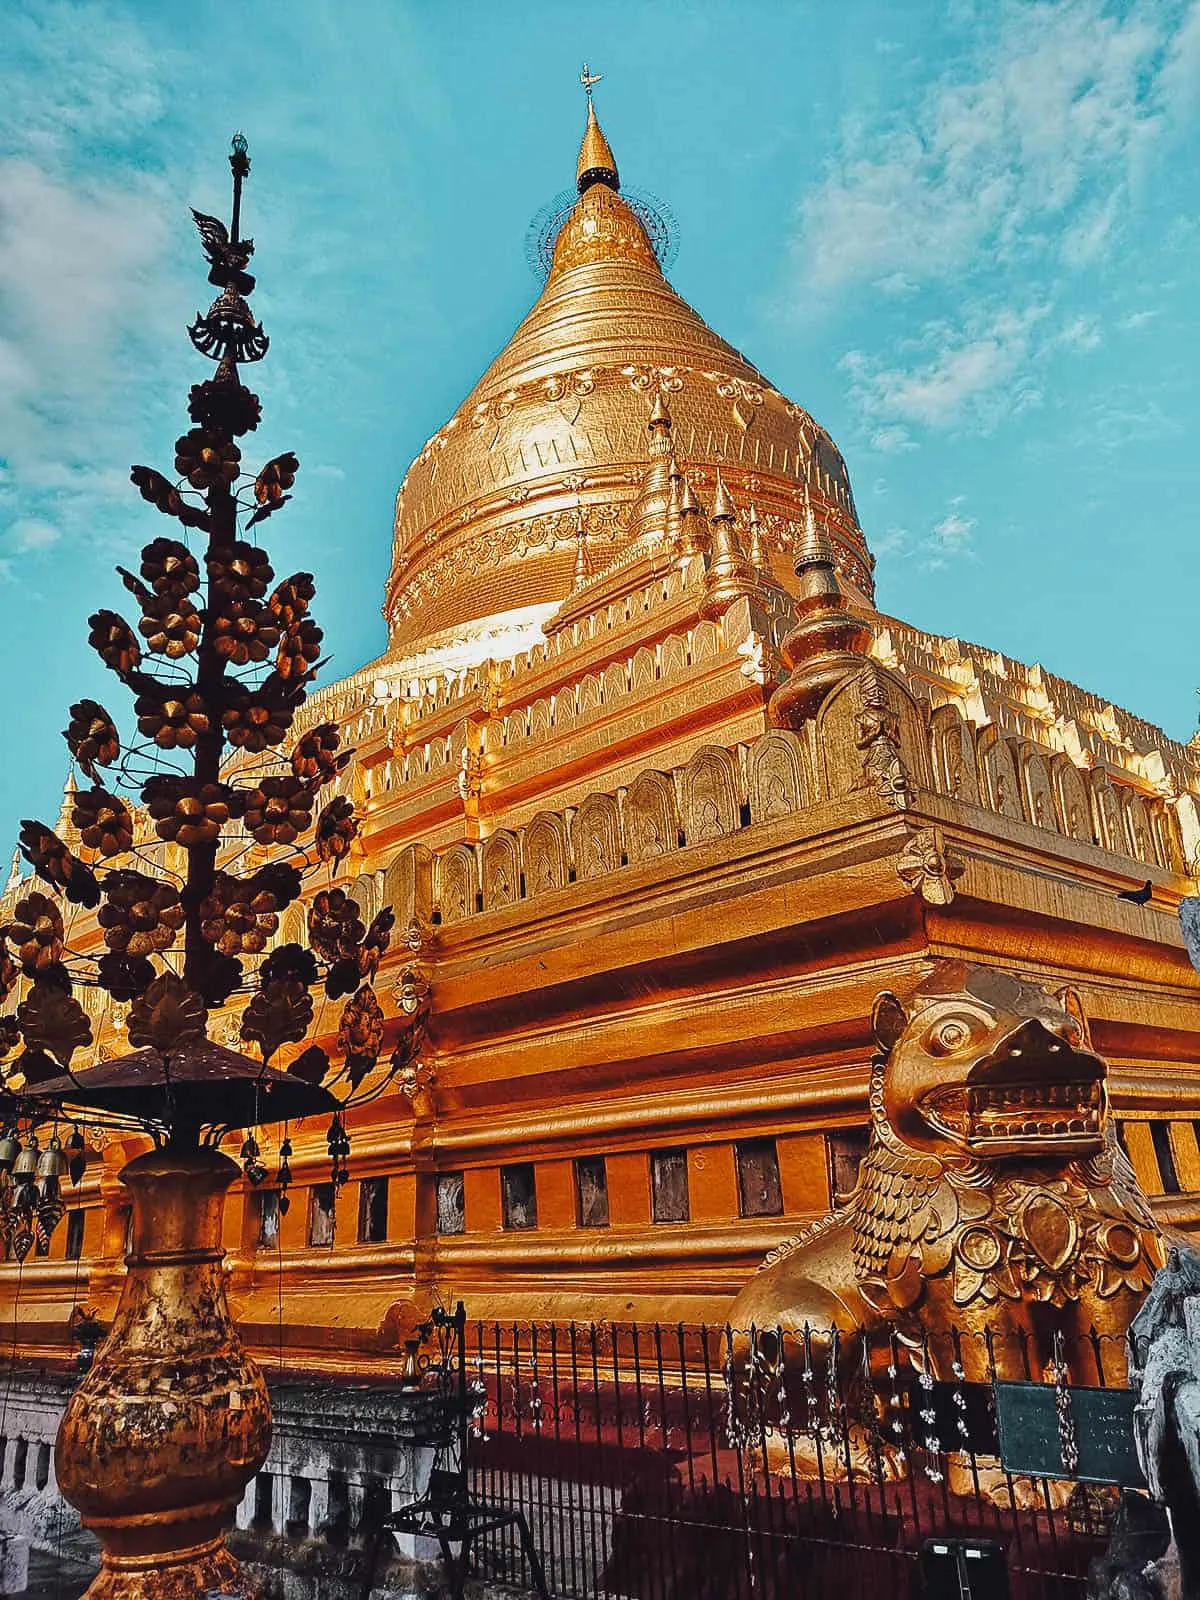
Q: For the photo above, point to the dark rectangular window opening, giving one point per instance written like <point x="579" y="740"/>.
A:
<point x="75" y="1225"/>
<point x="264" y="1486"/>
<point x="669" y="1200"/>
<point x="268" y="1217"/>
<point x="321" y="1215"/>
<point x="760" y="1193"/>
<point x="518" y="1195"/>
<point x="845" y="1148"/>
<point x="1160" y="1133"/>
<point x="299" y="1502"/>
<point x="337" y="1528"/>
<point x="451" y="1203"/>
<point x="591" y="1192"/>
<point x="372" y="1210"/>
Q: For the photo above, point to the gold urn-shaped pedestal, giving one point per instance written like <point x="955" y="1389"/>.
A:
<point x="159" y="1441"/>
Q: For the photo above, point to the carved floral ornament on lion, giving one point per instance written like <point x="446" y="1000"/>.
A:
<point x="994" y="1198"/>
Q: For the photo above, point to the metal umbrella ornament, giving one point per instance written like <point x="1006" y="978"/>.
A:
<point x="172" y="1420"/>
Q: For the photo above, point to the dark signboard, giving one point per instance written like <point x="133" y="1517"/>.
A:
<point x="1099" y="1425"/>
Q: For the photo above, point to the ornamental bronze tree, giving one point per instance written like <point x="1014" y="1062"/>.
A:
<point x="160" y="1439"/>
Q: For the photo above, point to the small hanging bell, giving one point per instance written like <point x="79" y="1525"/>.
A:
<point x="25" y="1168"/>
<point x="52" y="1163"/>
<point x="10" y="1149"/>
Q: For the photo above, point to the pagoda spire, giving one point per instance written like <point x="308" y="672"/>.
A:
<point x="596" y="164"/>
<point x="828" y="641"/>
<point x="694" y="534"/>
<point x="650" y="513"/>
<point x="759" y="559"/>
<point x="729" y="575"/>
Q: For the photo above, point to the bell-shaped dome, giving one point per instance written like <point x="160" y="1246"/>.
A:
<point x="555" y="435"/>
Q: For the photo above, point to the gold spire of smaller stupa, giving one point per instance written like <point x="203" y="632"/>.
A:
<point x="693" y="539"/>
<point x="758" y="545"/>
<point x="729" y="574"/>
<point x="828" y="641"/>
<point x="597" y="164"/>
<point x="674" y="503"/>
<point x="650" y="511"/>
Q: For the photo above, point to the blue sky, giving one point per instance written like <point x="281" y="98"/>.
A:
<point x="964" y="236"/>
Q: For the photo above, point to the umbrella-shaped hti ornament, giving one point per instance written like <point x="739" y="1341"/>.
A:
<point x="192" y="841"/>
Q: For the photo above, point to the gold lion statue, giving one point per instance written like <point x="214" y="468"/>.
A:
<point x="993" y="1199"/>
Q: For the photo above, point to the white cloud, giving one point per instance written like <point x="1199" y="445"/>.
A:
<point x="30" y="534"/>
<point x="1137" y="319"/>
<point x="1027" y="146"/>
<point x="892" y="440"/>
<point x="87" y="319"/>
<point x="950" y="376"/>
<point x="1080" y="333"/>
<point x="984" y="201"/>
<point x="951" y="539"/>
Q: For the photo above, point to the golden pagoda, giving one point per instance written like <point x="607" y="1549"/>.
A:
<point x="663" y="801"/>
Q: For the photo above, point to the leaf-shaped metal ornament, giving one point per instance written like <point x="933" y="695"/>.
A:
<point x="92" y="737"/>
<point x="271" y="485"/>
<point x="54" y="1022"/>
<point x="115" y="642"/>
<point x="310" y="1066"/>
<point x="360" y="1035"/>
<point x="167" y="1016"/>
<point x="36" y="1068"/>
<point x="375" y="942"/>
<point x="280" y="1013"/>
<point x="56" y="865"/>
<point x="289" y="961"/>
<point x="36" y="933"/>
<point x="337" y="828"/>
<point x="165" y="497"/>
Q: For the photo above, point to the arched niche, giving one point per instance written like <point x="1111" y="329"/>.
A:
<point x="777" y="780"/>
<point x="952" y="755"/>
<point x="998" y="783"/>
<point x="545" y="850"/>
<point x="596" y="836"/>
<point x="651" y="818"/>
<point x="710" y="804"/>
<point x="458" y="887"/>
<point x="1071" y="799"/>
<point x="501" y="870"/>
<point x="1036" y="793"/>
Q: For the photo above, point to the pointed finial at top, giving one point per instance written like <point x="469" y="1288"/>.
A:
<point x="723" y="509"/>
<point x="660" y="412"/>
<point x="596" y="164"/>
<point x="688" y="504"/>
<point x="758" y="546"/>
<point x="14" y="875"/>
<point x="815" y="548"/>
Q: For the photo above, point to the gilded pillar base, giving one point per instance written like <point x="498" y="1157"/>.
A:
<point x="186" y="1574"/>
<point x="157" y="1444"/>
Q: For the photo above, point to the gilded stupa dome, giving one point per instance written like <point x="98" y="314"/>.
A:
<point x="553" y="438"/>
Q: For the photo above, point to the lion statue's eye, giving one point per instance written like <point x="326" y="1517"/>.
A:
<point x="949" y="1036"/>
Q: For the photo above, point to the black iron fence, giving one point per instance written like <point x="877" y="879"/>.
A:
<point x="658" y="1463"/>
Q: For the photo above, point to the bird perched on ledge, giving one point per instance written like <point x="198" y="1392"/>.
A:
<point x="1137" y="897"/>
